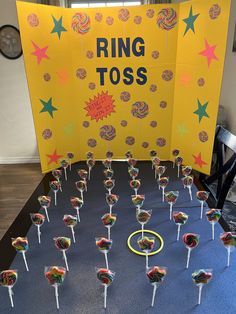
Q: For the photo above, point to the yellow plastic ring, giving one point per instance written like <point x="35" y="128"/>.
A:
<point x="146" y="231"/>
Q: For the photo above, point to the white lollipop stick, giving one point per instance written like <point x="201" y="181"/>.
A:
<point x="110" y="207"/>
<point x="188" y="258"/>
<point x="73" y="233"/>
<point x="65" y="173"/>
<point x="10" y="292"/>
<point x="135" y="191"/>
<point x="153" y="294"/>
<point x="109" y="191"/>
<point x="155" y="173"/>
<point x="46" y="212"/>
<point x="163" y="194"/>
<point x="159" y="177"/>
<point x="56" y="296"/>
<point x="55" y="196"/>
<point x="39" y="233"/>
<point x="190" y="192"/>
<point x="24" y="258"/>
<point x="89" y="172"/>
<point x="106" y="259"/>
<point x="171" y="206"/>
<point x="85" y="185"/>
<point x="65" y="258"/>
<point x="199" y="294"/>
<point x="201" y="209"/>
<point x="178" y="170"/>
<point x="213" y="231"/>
<point x="109" y="232"/>
<point x="78" y="215"/>
<point x="82" y="195"/>
<point x="146" y="260"/>
<point x="60" y="185"/>
<point x="228" y="256"/>
<point x="105" y="296"/>
<point x="178" y="232"/>
<point x="142" y="230"/>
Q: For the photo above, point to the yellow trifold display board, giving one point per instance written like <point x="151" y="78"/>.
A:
<point x="133" y="78"/>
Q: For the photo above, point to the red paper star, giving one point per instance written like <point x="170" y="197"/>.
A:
<point x="209" y="53"/>
<point x="40" y="53"/>
<point x="54" y="157"/>
<point x="185" y="79"/>
<point x="198" y="160"/>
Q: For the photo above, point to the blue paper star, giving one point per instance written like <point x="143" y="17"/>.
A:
<point x="58" y="28"/>
<point x="190" y="21"/>
<point x="201" y="111"/>
<point x="48" y="107"/>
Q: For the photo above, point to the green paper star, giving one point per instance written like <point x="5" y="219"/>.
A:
<point x="201" y="111"/>
<point x="190" y="21"/>
<point x="69" y="128"/>
<point x="48" y="107"/>
<point x="181" y="129"/>
<point x="58" y="28"/>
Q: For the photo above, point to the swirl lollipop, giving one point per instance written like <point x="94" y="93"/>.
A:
<point x="171" y="198"/>
<point x="76" y="203"/>
<point x="156" y="276"/>
<point x="89" y="155"/>
<point x="180" y="219"/>
<point x="108" y="221"/>
<point x="191" y="241"/>
<point x="21" y="245"/>
<point x="188" y="182"/>
<point x="111" y="200"/>
<point x="202" y="196"/>
<point x="163" y="182"/>
<point x="229" y="241"/>
<point x="143" y="216"/>
<point x="213" y="216"/>
<point x="201" y="277"/>
<point x="146" y="244"/>
<point x="70" y="156"/>
<point x="57" y="174"/>
<point x="109" y="154"/>
<point x="38" y="220"/>
<point x="155" y="163"/>
<point x="90" y="164"/>
<point x="133" y="172"/>
<point x="109" y="185"/>
<point x="8" y="278"/>
<point x="55" y="276"/>
<point x="135" y="185"/>
<point x="159" y="170"/>
<point x="55" y="187"/>
<point x="70" y="221"/>
<point x="132" y="162"/>
<point x="104" y="246"/>
<point x="45" y="202"/>
<point x="186" y="170"/>
<point x="128" y="154"/>
<point x="63" y="244"/>
<point x="179" y="161"/>
<point x="107" y="163"/>
<point x="138" y="200"/>
<point x="106" y="277"/>
<point x="64" y="163"/>
<point x="83" y="175"/>
<point x="175" y="153"/>
<point x="108" y="173"/>
<point x="81" y="186"/>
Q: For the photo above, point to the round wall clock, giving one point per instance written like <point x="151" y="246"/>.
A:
<point x="10" y="43"/>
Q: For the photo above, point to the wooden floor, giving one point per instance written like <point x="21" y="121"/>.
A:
<point x="17" y="183"/>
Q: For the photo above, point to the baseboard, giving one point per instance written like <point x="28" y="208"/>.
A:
<point x="19" y="160"/>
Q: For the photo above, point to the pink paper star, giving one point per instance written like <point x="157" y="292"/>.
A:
<point x="198" y="160"/>
<point x="209" y="53"/>
<point x="40" y="53"/>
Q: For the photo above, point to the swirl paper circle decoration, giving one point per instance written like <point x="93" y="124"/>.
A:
<point x="107" y="132"/>
<point x="80" y="23"/>
<point x="167" y="19"/>
<point x="140" y="109"/>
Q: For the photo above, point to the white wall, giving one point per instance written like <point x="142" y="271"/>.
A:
<point x="17" y="135"/>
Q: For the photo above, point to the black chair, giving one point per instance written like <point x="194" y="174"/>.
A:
<point x="223" y="171"/>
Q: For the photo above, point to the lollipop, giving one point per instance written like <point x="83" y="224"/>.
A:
<point x="188" y="182"/>
<point x="133" y="172"/>
<point x="200" y="278"/>
<point x="106" y="277"/>
<point x="38" y="220"/>
<point x="175" y="153"/>
<point x="57" y="174"/>
<point x="163" y="184"/>
<point x="107" y="163"/>
<point x="83" y="175"/>
<point x="180" y="219"/>
<point x="143" y="216"/>
<point x="109" y="154"/>
<point x="202" y="196"/>
<point x="81" y="186"/>
<point x="89" y="155"/>
<point x="70" y="156"/>
<point x="155" y="163"/>
<point x="108" y="173"/>
<point x="76" y="203"/>
<point x="213" y="216"/>
<point x="153" y="153"/>
<point x="64" y="163"/>
<point x="138" y="200"/>
<point x="146" y="244"/>
<point x="109" y="185"/>
<point x="45" y="202"/>
<point x="55" y="276"/>
<point x="108" y="221"/>
<point x="8" y="278"/>
<point x="128" y="154"/>
<point x="111" y="200"/>
<point x="171" y="198"/>
<point x="55" y="187"/>
<point x="229" y="241"/>
<point x="159" y="170"/>
<point x="135" y="185"/>
<point x="156" y="276"/>
<point x="70" y="221"/>
<point x="21" y="245"/>
<point x="191" y="241"/>
<point x="179" y="161"/>
<point x="63" y="244"/>
<point x="186" y="170"/>
<point x="90" y="164"/>
<point x="132" y="162"/>
<point x="104" y="246"/>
